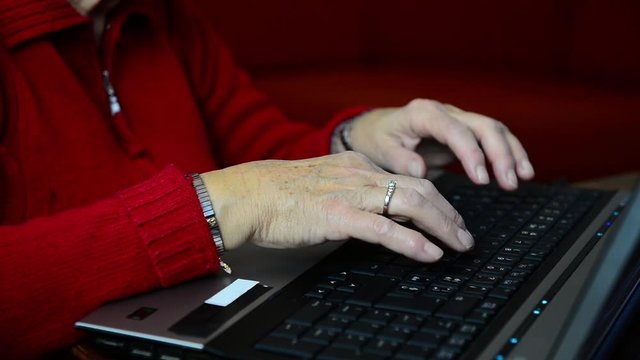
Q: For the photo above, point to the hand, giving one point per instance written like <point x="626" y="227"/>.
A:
<point x="391" y="138"/>
<point x="305" y="202"/>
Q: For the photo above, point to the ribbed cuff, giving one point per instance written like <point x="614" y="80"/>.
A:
<point x="171" y="225"/>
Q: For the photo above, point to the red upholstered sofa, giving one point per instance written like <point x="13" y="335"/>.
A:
<point x="564" y="75"/>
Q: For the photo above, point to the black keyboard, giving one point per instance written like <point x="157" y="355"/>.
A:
<point x="381" y="305"/>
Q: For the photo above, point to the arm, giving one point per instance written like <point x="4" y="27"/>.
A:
<point x="57" y="269"/>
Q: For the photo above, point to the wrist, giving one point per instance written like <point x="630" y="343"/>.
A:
<point x="225" y="192"/>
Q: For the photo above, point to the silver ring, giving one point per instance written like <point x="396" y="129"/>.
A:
<point x="391" y="188"/>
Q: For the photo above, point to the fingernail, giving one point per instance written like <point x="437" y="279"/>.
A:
<point x="433" y="250"/>
<point x="482" y="174"/>
<point x="414" y="169"/>
<point x="465" y="238"/>
<point x="511" y="178"/>
<point x="526" y="168"/>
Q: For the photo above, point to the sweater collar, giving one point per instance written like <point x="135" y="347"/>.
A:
<point x="25" y="20"/>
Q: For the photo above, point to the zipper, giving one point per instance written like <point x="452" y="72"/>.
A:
<point x="114" y="105"/>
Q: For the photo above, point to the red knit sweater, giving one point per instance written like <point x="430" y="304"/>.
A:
<point x="90" y="208"/>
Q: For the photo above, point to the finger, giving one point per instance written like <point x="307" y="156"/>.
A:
<point x="430" y="218"/>
<point x="378" y="229"/>
<point x="427" y="209"/>
<point x="428" y="191"/>
<point x="404" y="161"/>
<point x="431" y="118"/>
<point x="523" y="165"/>
<point x="464" y="145"/>
<point x="493" y="137"/>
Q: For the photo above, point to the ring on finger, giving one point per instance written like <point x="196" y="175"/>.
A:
<point x="391" y="188"/>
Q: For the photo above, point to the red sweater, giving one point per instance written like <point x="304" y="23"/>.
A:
<point x="90" y="208"/>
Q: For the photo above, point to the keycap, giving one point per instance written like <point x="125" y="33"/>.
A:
<point x="413" y="352"/>
<point x="346" y="311"/>
<point x="333" y="323"/>
<point x="367" y="294"/>
<point x="479" y="317"/>
<point x="338" y="353"/>
<point x="354" y="282"/>
<point x="394" y="333"/>
<point x="350" y="340"/>
<point x="439" y="326"/>
<point x="502" y="292"/>
<point x="407" y="290"/>
<point x="311" y="312"/>
<point x="446" y="353"/>
<point x="408" y="321"/>
<point x="364" y="328"/>
<point x="476" y="290"/>
<point x="421" y="305"/>
<point x="468" y="329"/>
<point x="484" y="279"/>
<point x="378" y="316"/>
<point x="289" y="330"/>
<point x="457" y="307"/>
<point x="426" y="339"/>
<point x="490" y="304"/>
<point x="367" y="268"/>
<point x="495" y="269"/>
<point x="288" y="347"/>
<point x="317" y="293"/>
<point x="319" y="335"/>
<point x="392" y="271"/>
<point x="458" y="340"/>
<point x="381" y="347"/>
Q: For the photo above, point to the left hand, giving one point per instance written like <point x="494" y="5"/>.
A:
<point x="390" y="137"/>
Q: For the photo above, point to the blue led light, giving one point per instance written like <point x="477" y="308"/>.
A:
<point x="609" y="223"/>
<point x="513" y="340"/>
<point x="616" y="213"/>
<point x="536" y="312"/>
<point x="499" y="357"/>
<point x="600" y="234"/>
<point x="544" y="302"/>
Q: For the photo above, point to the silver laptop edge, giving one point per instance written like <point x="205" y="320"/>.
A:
<point x="594" y="294"/>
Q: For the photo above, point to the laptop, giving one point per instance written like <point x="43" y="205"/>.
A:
<point x="554" y="274"/>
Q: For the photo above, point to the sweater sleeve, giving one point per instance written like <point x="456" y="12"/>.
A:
<point x="243" y="124"/>
<point x="57" y="269"/>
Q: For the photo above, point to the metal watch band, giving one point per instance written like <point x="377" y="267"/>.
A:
<point x="207" y="210"/>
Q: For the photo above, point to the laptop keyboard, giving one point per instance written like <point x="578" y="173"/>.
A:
<point x="388" y="306"/>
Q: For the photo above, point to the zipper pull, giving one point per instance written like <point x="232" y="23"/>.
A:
<point x="114" y="105"/>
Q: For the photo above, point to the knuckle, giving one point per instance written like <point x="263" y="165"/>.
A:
<point x="457" y="218"/>
<point x="422" y="105"/>
<point x="475" y="154"/>
<point x="456" y="128"/>
<point x="429" y="189"/>
<point x="413" y="198"/>
<point x="414" y="244"/>
<point x="383" y="226"/>
<point x="448" y="224"/>
<point x="500" y="127"/>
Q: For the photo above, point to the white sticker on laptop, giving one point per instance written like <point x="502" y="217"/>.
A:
<point x="233" y="291"/>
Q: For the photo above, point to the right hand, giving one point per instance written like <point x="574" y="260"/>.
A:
<point x="305" y="202"/>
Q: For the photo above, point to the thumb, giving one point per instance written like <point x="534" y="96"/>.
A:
<point x="401" y="160"/>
